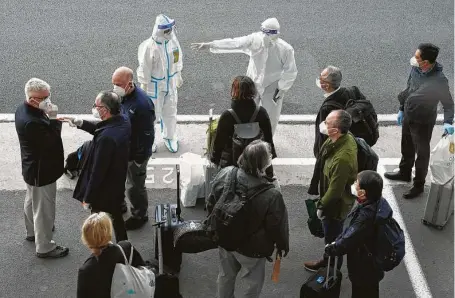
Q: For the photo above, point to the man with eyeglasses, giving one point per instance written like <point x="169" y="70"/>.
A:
<point x="101" y="184"/>
<point x="42" y="164"/>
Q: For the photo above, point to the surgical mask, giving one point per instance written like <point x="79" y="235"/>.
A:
<point x="318" y="83"/>
<point x="414" y="62"/>
<point x="95" y="113"/>
<point x="354" y="190"/>
<point x="45" y="104"/>
<point x="323" y="128"/>
<point x="119" y="90"/>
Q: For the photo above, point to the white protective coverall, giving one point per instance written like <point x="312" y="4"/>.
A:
<point x="272" y="64"/>
<point x="160" y="64"/>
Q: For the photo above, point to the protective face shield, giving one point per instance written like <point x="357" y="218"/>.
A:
<point x="163" y="27"/>
<point x="271" y="29"/>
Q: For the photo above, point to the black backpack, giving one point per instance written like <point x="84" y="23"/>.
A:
<point x="364" y="118"/>
<point x="244" y="134"/>
<point x="229" y="219"/>
<point x="367" y="159"/>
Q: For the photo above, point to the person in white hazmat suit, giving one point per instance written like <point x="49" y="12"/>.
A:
<point x="272" y="64"/>
<point x="159" y="72"/>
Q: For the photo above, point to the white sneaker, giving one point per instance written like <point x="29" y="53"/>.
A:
<point x="172" y="145"/>
<point x="154" y="148"/>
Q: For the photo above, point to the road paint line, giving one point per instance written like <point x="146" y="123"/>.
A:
<point x="411" y="261"/>
<point x="276" y="162"/>
<point x="307" y="118"/>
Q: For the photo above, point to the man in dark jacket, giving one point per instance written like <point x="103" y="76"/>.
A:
<point x="101" y="185"/>
<point x="268" y="225"/>
<point x="426" y="87"/>
<point x="358" y="237"/>
<point x="141" y="112"/>
<point x="335" y="96"/>
<point x="42" y="164"/>
<point x="335" y="172"/>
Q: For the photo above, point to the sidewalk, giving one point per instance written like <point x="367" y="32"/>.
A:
<point x="294" y="145"/>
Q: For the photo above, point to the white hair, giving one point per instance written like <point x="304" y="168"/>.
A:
<point x="35" y="84"/>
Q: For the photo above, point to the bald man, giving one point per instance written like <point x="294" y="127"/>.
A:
<point x="141" y="112"/>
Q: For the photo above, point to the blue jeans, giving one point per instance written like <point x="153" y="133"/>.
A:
<point x="332" y="229"/>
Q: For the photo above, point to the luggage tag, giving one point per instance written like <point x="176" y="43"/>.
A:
<point x="276" y="268"/>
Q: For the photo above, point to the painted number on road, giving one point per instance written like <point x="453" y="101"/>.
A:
<point x="165" y="172"/>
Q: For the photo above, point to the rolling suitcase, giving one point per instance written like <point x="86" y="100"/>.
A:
<point x="166" y="285"/>
<point x="169" y="214"/>
<point x="325" y="283"/>
<point x="210" y="170"/>
<point x="439" y="206"/>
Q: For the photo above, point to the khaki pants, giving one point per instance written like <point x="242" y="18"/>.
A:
<point x="251" y="270"/>
<point x="39" y="213"/>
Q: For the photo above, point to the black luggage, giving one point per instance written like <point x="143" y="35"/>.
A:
<point x="166" y="284"/>
<point x="192" y="237"/>
<point x="325" y="283"/>
<point x="169" y="214"/>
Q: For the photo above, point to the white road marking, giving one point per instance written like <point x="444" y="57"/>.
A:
<point x="411" y="261"/>
<point x="310" y="118"/>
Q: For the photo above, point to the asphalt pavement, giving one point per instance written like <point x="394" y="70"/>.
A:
<point x="25" y="275"/>
<point x="76" y="45"/>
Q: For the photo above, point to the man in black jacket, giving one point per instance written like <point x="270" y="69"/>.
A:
<point x="335" y="96"/>
<point x="101" y="184"/>
<point x="427" y="86"/>
<point x="137" y="106"/>
<point x="268" y="225"/>
<point x="42" y="164"/>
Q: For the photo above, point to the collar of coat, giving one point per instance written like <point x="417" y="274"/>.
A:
<point x="108" y="123"/>
<point x="329" y="147"/>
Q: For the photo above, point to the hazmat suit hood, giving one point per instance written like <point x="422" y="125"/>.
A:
<point x="271" y="30"/>
<point x="162" y="23"/>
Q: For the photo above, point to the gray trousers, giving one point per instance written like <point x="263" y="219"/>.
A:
<point x="135" y="188"/>
<point x="251" y="270"/>
<point x="39" y="214"/>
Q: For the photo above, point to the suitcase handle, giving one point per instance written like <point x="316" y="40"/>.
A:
<point x="179" y="209"/>
<point x="335" y="268"/>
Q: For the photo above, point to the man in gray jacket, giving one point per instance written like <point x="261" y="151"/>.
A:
<point x="427" y="86"/>
<point x="267" y="222"/>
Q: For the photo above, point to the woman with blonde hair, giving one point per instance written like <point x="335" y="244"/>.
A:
<point x="95" y="276"/>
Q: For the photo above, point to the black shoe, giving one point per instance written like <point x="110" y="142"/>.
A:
<point x="415" y="191"/>
<point x="397" y="176"/>
<point x="58" y="252"/>
<point x="30" y="238"/>
<point x="134" y="223"/>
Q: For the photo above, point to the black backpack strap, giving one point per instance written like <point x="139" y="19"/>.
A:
<point x="255" y="114"/>
<point x="260" y="189"/>
<point x="234" y="114"/>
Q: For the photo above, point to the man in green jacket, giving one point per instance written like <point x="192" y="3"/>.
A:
<point x="338" y="169"/>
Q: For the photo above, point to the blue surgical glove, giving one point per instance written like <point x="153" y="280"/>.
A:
<point x="448" y="128"/>
<point x="400" y="117"/>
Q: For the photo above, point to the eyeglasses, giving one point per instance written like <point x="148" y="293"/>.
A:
<point x="96" y="106"/>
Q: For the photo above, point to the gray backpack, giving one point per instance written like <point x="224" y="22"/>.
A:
<point x="244" y="134"/>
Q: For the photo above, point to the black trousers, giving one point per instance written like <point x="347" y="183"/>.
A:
<point x="365" y="290"/>
<point x="415" y="139"/>
<point x="117" y="223"/>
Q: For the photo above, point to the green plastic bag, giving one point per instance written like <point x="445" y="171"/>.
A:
<point x="314" y="223"/>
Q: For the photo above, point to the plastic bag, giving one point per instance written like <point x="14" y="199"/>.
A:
<point x="192" y="181"/>
<point x="441" y="161"/>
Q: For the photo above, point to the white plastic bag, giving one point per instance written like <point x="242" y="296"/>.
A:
<point x="441" y="161"/>
<point x="192" y="179"/>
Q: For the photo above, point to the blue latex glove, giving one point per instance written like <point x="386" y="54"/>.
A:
<point x="448" y="128"/>
<point x="400" y="117"/>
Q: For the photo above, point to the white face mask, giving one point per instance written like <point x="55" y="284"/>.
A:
<point x="323" y="128"/>
<point x="318" y="83"/>
<point x="95" y="113"/>
<point x="414" y="62"/>
<point x="354" y="190"/>
<point x="45" y="104"/>
<point x="119" y="90"/>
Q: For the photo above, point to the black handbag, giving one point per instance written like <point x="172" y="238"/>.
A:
<point x="192" y="237"/>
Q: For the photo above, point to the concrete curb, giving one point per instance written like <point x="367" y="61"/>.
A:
<point x="383" y="119"/>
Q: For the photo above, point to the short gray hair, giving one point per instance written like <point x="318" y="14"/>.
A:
<point x="111" y="101"/>
<point x="35" y="84"/>
<point x="334" y="76"/>
<point x="343" y="121"/>
<point x="256" y="158"/>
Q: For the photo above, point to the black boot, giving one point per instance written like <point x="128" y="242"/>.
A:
<point x="415" y="191"/>
<point x="398" y="176"/>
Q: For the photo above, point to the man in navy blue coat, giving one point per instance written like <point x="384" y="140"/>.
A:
<point x="140" y="110"/>
<point x="101" y="185"/>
